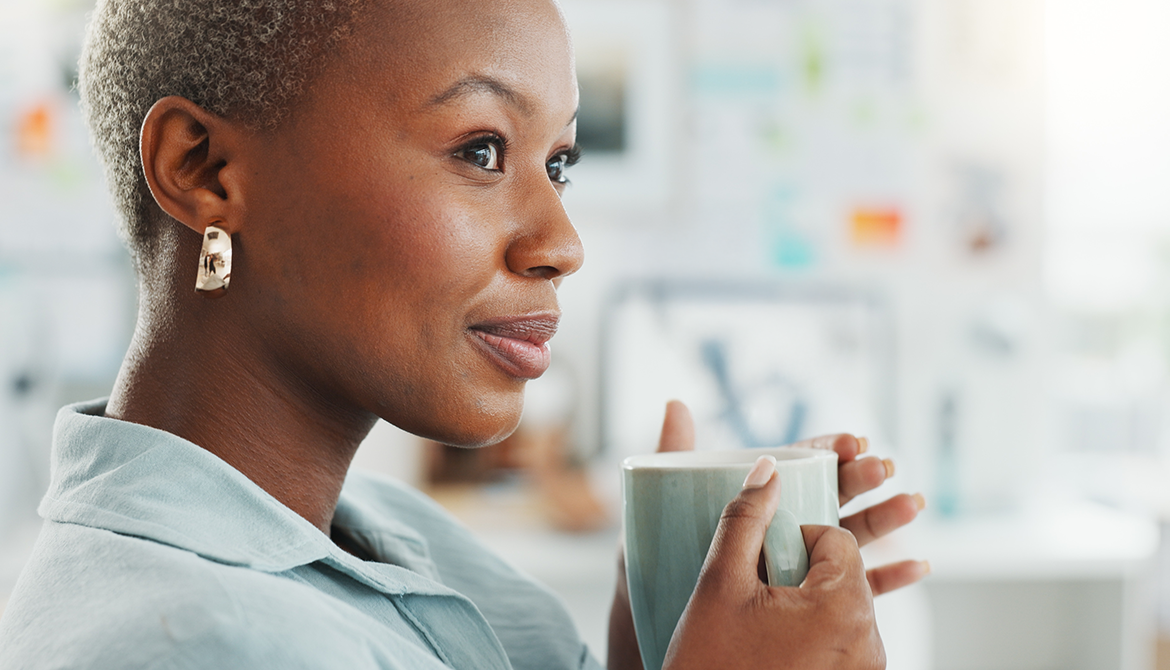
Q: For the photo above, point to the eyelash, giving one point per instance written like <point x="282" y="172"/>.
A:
<point x="571" y="156"/>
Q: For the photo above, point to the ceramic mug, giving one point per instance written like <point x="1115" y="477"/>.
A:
<point x="672" y="503"/>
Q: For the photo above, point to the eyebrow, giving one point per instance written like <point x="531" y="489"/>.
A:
<point x="479" y="84"/>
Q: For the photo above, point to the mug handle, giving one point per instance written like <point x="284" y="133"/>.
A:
<point x="784" y="553"/>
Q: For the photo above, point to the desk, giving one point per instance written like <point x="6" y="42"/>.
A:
<point x="1060" y="587"/>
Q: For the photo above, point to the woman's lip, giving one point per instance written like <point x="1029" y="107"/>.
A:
<point x="535" y="328"/>
<point x="518" y="345"/>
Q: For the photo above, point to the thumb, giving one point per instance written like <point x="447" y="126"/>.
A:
<point x="735" y="552"/>
<point x="832" y="556"/>
<point x="678" y="428"/>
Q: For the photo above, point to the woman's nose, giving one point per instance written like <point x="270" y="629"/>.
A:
<point x="546" y="246"/>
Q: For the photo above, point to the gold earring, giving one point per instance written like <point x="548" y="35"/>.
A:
<point x="215" y="262"/>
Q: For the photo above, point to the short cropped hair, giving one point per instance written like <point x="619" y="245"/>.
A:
<point x="247" y="60"/>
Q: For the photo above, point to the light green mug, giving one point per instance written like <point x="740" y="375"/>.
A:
<point x="671" y="506"/>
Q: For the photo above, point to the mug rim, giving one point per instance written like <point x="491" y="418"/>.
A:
<point x="724" y="459"/>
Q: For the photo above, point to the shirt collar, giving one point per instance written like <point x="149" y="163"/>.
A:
<point x="141" y="481"/>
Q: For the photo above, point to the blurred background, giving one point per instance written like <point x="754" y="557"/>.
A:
<point x="942" y="224"/>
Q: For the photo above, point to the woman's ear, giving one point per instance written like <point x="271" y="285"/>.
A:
<point x="187" y="155"/>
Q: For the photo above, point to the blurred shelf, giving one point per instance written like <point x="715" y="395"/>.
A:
<point x="1062" y="585"/>
<point x="1076" y="541"/>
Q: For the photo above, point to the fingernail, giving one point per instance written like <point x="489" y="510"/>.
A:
<point x="761" y="472"/>
<point x="889" y="467"/>
<point x="862" y="445"/>
<point x="919" y="501"/>
<point x="925" y="568"/>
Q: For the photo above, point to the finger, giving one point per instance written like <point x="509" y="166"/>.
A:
<point x="732" y="560"/>
<point x="892" y="577"/>
<point x="832" y="554"/>
<point x="678" y="428"/>
<point x="858" y="476"/>
<point x="847" y="446"/>
<point x="874" y="522"/>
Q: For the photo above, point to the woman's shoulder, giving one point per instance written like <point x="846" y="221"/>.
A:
<point x="97" y="599"/>
<point x="529" y="620"/>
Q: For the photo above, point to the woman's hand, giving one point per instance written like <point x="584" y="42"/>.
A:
<point x="854" y="476"/>
<point x="733" y="620"/>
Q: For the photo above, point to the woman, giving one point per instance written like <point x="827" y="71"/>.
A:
<point x="389" y="175"/>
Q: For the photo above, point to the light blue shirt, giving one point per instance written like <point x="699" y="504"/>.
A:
<point x="157" y="554"/>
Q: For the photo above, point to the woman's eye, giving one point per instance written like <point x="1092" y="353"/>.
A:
<point x="482" y="154"/>
<point x="558" y="165"/>
<point x="556" y="170"/>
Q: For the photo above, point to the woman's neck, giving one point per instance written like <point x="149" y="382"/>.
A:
<point x="188" y="374"/>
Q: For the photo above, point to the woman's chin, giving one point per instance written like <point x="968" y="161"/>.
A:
<point x="474" y="437"/>
<point x="478" y="424"/>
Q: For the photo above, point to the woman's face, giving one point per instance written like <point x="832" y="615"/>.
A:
<point x="404" y="231"/>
